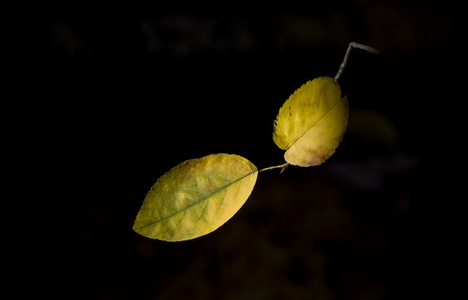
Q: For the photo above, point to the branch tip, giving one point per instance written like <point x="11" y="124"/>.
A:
<point x="348" y="51"/>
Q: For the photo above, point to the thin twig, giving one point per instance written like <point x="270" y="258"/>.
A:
<point x="345" y="60"/>
<point x="286" y="166"/>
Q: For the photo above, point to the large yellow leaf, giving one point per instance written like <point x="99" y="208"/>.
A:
<point x="196" y="197"/>
<point x="311" y="123"/>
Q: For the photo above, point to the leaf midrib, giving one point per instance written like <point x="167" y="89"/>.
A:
<point x="200" y="200"/>
<point x="312" y="126"/>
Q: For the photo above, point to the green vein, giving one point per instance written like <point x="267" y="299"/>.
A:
<point x="199" y="201"/>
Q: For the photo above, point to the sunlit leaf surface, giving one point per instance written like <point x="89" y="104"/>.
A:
<point x="311" y="123"/>
<point x="196" y="197"/>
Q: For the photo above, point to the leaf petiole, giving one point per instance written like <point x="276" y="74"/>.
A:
<point x="283" y="166"/>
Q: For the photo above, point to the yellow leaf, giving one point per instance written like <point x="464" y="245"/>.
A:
<point x="196" y="197"/>
<point x="311" y="123"/>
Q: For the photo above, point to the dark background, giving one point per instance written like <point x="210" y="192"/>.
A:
<point x="101" y="99"/>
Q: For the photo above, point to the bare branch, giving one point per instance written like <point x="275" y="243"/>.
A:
<point x="345" y="60"/>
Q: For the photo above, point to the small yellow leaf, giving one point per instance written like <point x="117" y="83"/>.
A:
<point x="311" y="123"/>
<point x="196" y="197"/>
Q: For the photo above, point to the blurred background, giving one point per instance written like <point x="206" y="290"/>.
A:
<point x="107" y="97"/>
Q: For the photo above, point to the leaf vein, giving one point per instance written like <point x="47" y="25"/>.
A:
<point x="312" y="126"/>
<point x="201" y="200"/>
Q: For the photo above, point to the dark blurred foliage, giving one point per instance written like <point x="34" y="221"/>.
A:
<point x="102" y="98"/>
